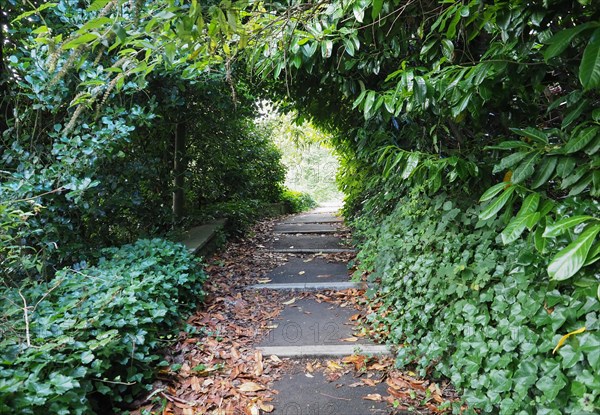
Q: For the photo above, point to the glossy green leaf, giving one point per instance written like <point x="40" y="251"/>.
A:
<point x="510" y="161"/>
<point x="525" y="169"/>
<point x="581" y="140"/>
<point x="514" y="229"/>
<point x="411" y="165"/>
<point x="593" y="256"/>
<point x="420" y="89"/>
<point x="570" y="259"/>
<point x="544" y="172"/>
<point x="494" y="207"/>
<point x="561" y="40"/>
<point x="369" y="101"/>
<point x="532" y="133"/>
<point x="565" y="224"/>
<point x="97" y="5"/>
<point x="493" y="191"/>
<point x="377" y="5"/>
<point x="589" y="70"/>
<point x="581" y="185"/>
<point x="326" y="49"/>
<point x="509" y="145"/>
<point x="448" y="49"/>
<point x="87" y="38"/>
<point x="32" y="12"/>
<point x="529" y="205"/>
<point x="574" y="113"/>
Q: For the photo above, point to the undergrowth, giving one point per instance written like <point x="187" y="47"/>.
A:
<point x="460" y="304"/>
<point x="91" y="337"/>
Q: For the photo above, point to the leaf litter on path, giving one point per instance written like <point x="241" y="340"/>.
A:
<point x="214" y="368"/>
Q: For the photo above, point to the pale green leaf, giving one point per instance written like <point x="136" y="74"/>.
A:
<point x="88" y="37"/>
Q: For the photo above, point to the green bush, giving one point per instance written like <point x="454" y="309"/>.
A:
<point x="483" y="314"/>
<point x="297" y="201"/>
<point x="95" y="332"/>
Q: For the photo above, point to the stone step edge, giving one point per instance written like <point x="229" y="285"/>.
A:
<point x="311" y="251"/>
<point x="333" y="350"/>
<point x="309" y="232"/>
<point x="310" y="222"/>
<point x="303" y="286"/>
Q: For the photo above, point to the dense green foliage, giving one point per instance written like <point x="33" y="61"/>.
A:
<point x="463" y="305"/>
<point x="468" y="134"/>
<point x="94" y="96"/>
<point x="92" y="335"/>
<point x="88" y="150"/>
<point x="488" y="109"/>
<point x="297" y="201"/>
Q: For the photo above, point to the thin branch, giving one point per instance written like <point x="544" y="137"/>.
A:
<point x="26" y="317"/>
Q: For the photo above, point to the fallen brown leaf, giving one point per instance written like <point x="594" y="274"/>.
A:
<point x="373" y="397"/>
<point x="251" y="387"/>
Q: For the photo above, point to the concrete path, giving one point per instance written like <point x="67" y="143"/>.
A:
<point x="310" y="326"/>
<point x="308" y="228"/>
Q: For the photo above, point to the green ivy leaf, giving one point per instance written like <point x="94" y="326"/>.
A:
<point x="570" y="259"/>
<point x="550" y="387"/>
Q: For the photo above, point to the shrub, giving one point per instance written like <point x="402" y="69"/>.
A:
<point x="94" y="332"/>
<point x="297" y="201"/>
<point x="459" y="303"/>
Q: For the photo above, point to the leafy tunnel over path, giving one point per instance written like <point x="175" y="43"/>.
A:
<point x="467" y="133"/>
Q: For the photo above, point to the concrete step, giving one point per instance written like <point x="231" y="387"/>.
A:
<point x="308" y="286"/>
<point x="308" y="228"/>
<point x="198" y="238"/>
<point x="314" y="218"/>
<point x="333" y="350"/>
<point x="308" y="269"/>
<point x="308" y="322"/>
<point x="308" y="244"/>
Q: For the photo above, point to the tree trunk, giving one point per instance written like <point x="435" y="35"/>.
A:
<point x="179" y="167"/>
<point x="4" y="100"/>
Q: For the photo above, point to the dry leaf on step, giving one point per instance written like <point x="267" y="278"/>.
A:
<point x="373" y="397"/>
<point x="251" y="387"/>
<point x="289" y="302"/>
